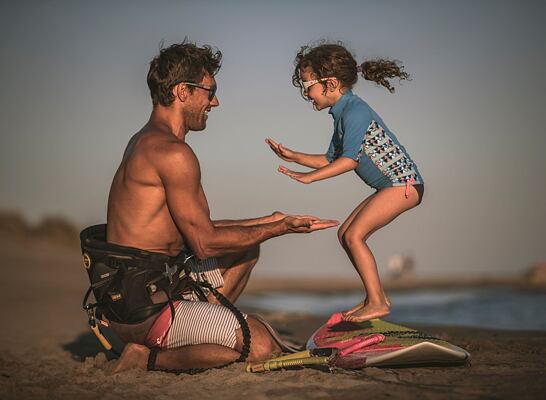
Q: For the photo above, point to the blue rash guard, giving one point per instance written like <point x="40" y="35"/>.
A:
<point x="360" y="134"/>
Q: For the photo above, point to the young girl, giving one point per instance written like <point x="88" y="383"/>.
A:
<point x="361" y="142"/>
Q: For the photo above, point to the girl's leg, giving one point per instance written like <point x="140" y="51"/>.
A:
<point x="341" y="233"/>
<point x="351" y="217"/>
<point x="382" y="208"/>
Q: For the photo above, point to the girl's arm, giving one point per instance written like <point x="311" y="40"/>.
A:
<point x="336" y="167"/>
<point x="311" y="160"/>
<point x="307" y="160"/>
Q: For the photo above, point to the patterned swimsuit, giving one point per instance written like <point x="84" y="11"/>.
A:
<point x="360" y="134"/>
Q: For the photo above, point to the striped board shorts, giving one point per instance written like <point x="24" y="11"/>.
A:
<point x="195" y="322"/>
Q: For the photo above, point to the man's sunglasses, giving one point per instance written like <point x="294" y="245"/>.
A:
<point x="211" y="90"/>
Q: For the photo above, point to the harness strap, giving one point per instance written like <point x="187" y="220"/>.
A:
<point x="240" y="318"/>
<point x="195" y="286"/>
<point x="150" y="366"/>
<point x="86" y="306"/>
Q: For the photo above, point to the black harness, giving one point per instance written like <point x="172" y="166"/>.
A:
<point x="126" y="283"/>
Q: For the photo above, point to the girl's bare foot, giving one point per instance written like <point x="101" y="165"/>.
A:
<point x="355" y="308"/>
<point x="363" y="304"/>
<point x="133" y="356"/>
<point x="369" y="311"/>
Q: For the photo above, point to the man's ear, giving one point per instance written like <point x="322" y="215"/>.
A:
<point x="180" y="91"/>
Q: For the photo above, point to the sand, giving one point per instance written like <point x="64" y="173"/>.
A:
<point x="48" y="352"/>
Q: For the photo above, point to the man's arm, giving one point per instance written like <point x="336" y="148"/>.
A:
<point x="276" y="216"/>
<point x="179" y="171"/>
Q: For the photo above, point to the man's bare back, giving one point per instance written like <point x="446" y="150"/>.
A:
<point x="138" y="214"/>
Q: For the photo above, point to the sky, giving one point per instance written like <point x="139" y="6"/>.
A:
<point x="73" y="79"/>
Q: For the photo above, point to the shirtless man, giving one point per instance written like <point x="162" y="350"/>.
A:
<point x="157" y="203"/>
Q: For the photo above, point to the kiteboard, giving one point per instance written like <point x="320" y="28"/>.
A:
<point x="380" y="343"/>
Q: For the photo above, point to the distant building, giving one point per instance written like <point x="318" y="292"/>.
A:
<point x="537" y="274"/>
<point x="400" y="265"/>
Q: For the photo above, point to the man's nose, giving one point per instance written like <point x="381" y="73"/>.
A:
<point x="214" y="102"/>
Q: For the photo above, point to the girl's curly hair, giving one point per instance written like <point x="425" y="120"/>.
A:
<point x="334" y="60"/>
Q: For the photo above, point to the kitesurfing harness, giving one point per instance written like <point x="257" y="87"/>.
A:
<point x="127" y="281"/>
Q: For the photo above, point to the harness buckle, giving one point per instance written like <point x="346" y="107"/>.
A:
<point x="169" y="272"/>
<point x="90" y="315"/>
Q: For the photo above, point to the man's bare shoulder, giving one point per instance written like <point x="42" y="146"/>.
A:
<point x="167" y="153"/>
<point x="161" y="147"/>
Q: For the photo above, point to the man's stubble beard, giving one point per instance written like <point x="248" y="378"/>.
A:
<point x="197" y="120"/>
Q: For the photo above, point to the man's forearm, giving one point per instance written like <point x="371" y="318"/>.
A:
<point x="243" y="222"/>
<point x="234" y="239"/>
<point x="311" y="160"/>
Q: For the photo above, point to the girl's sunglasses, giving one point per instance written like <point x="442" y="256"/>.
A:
<point x="211" y="90"/>
<point x="307" y="84"/>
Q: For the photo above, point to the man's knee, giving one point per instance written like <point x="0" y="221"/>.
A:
<point x="249" y="257"/>
<point x="253" y="254"/>
<point x="262" y="344"/>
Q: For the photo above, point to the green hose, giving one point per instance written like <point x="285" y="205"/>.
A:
<point x="273" y="365"/>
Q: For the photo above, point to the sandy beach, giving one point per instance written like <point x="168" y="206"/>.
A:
<point x="48" y="352"/>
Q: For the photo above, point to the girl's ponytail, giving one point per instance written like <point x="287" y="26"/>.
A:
<point x="381" y="70"/>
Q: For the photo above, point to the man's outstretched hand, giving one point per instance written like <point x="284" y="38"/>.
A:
<point x="308" y="223"/>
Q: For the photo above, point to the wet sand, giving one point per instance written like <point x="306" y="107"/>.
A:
<point x="48" y="352"/>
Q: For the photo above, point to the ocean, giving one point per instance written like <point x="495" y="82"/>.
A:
<point x="496" y="308"/>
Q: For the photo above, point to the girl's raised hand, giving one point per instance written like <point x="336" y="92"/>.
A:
<point x="281" y="151"/>
<point x="302" y="177"/>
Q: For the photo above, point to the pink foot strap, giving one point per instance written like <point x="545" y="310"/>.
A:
<point x="336" y="318"/>
<point x="361" y="343"/>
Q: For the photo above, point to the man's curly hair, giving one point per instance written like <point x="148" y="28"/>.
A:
<point x="180" y="62"/>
